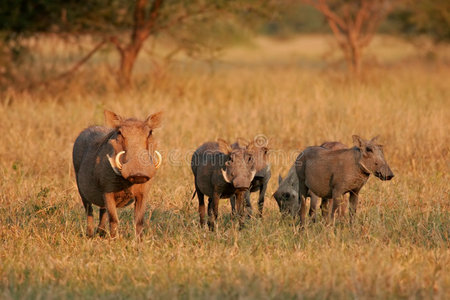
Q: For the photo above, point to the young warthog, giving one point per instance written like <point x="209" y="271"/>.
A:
<point x="113" y="166"/>
<point x="259" y="182"/>
<point x="220" y="172"/>
<point x="330" y="174"/>
<point x="287" y="193"/>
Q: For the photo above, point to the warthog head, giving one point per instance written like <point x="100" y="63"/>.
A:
<point x="372" y="158"/>
<point x="135" y="157"/>
<point x="260" y="153"/>
<point x="287" y="196"/>
<point x="240" y="168"/>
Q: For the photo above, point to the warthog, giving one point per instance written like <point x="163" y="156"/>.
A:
<point x="113" y="166"/>
<point x="287" y="193"/>
<point x="330" y="174"/>
<point x="259" y="182"/>
<point x="220" y="172"/>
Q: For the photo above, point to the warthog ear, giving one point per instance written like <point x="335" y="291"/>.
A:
<point x="358" y="141"/>
<point x="251" y="146"/>
<point x="154" y="120"/>
<point x="264" y="150"/>
<point x="112" y="120"/>
<point x="224" y="147"/>
<point x="374" y="138"/>
<point x="242" y="142"/>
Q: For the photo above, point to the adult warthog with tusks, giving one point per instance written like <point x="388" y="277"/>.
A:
<point x="260" y="180"/>
<point x="113" y="166"/>
<point x="221" y="171"/>
<point x="330" y="174"/>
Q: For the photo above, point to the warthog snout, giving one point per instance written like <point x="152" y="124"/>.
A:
<point x="385" y="174"/>
<point x="243" y="182"/>
<point x="138" y="178"/>
<point x="137" y="168"/>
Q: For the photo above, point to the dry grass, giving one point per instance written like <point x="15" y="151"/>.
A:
<point x="398" y="248"/>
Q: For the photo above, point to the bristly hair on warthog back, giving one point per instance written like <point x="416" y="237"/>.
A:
<point x="113" y="167"/>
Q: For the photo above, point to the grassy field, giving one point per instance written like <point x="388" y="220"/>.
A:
<point x="397" y="248"/>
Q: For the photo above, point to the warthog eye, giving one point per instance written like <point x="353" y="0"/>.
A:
<point x="368" y="149"/>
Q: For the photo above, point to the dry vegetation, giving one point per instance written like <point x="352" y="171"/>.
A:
<point x="398" y="248"/>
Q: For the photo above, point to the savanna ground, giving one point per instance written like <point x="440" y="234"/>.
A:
<point x="293" y="93"/>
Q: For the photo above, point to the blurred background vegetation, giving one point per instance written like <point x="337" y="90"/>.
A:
<point x="201" y="29"/>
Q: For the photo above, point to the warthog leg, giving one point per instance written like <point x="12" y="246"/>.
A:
<point x="90" y="218"/>
<point x="262" y="193"/>
<point x="353" y="200"/>
<point x="101" y="230"/>
<point x="313" y="206"/>
<point x="325" y="207"/>
<point x="302" y="194"/>
<point x="139" y="211"/>
<point x="338" y="204"/>
<point x="240" y="198"/>
<point x="201" y="207"/>
<point x="112" y="212"/>
<point x="248" y="204"/>
<point x="210" y="214"/>
<point x="302" y="210"/>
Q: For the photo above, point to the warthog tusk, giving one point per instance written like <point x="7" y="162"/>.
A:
<point x="253" y="174"/>
<point x="364" y="168"/>
<point x="118" y="163"/>
<point x="158" y="163"/>
<point x="113" y="165"/>
<point x="224" y="174"/>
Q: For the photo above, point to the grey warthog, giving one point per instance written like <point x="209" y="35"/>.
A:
<point x="259" y="182"/>
<point x="220" y="172"/>
<point x="287" y="193"/>
<point x="330" y="174"/>
<point x="113" y="166"/>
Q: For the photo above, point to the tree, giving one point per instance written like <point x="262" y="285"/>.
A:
<point x="353" y="24"/>
<point x="111" y="20"/>
<point x="425" y="17"/>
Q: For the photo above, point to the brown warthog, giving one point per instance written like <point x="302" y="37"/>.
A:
<point x="287" y="193"/>
<point x="220" y="172"/>
<point x="259" y="182"/>
<point x="113" y="166"/>
<point x="330" y="174"/>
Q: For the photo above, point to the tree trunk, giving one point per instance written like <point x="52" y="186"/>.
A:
<point x="127" y="60"/>
<point x="356" y="61"/>
<point x="141" y="31"/>
<point x="354" y="54"/>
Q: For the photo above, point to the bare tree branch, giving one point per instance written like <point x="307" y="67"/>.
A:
<point x="72" y="70"/>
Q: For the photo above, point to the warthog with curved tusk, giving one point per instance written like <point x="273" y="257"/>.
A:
<point x="287" y="193"/>
<point x="330" y="174"/>
<point x="113" y="166"/>
<point x="220" y="172"/>
<point x="259" y="182"/>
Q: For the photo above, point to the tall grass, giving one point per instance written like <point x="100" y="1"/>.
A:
<point x="397" y="248"/>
